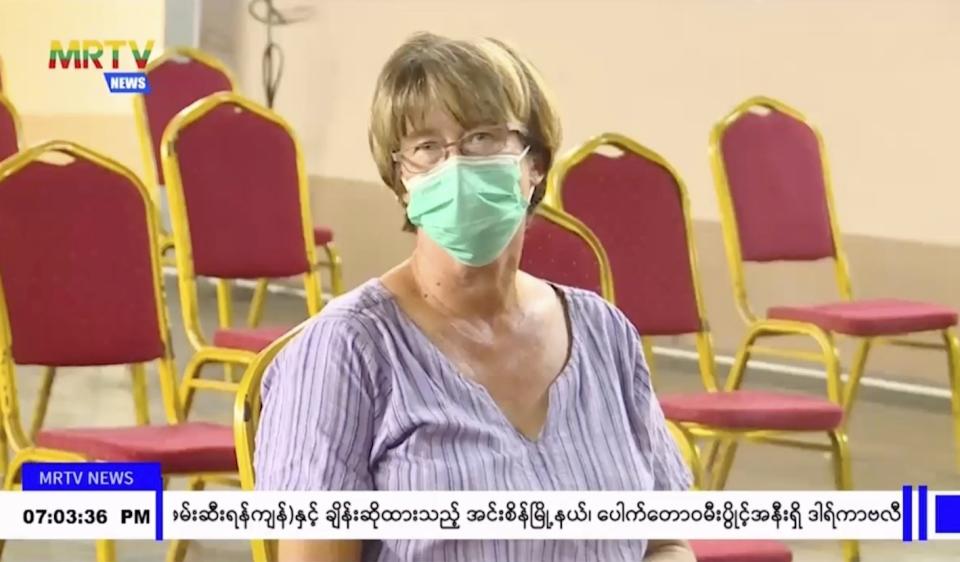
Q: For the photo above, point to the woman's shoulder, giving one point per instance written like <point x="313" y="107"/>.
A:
<point x="593" y="308"/>
<point x="356" y="317"/>
<point x="341" y="342"/>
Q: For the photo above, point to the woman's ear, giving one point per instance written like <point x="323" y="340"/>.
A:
<point x="537" y="169"/>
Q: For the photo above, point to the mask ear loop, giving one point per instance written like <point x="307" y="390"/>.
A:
<point x="533" y="190"/>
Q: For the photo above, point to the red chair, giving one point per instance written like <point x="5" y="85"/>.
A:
<point x="99" y="233"/>
<point x="771" y="173"/>
<point x="637" y="206"/>
<point x="559" y="248"/>
<point x="240" y="207"/>
<point x="9" y="145"/>
<point x="720" y="550"/>
<point x="178" y="78"/>
<point x="10" y="132"/>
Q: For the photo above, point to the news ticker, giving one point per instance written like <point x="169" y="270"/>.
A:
<point x="127" y="501"/>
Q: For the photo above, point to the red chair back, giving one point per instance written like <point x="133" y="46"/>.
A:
<point x="238" y="190"/>
<point x="177" y="79"/>
<point x="561" y="249"/>
<point x="635" y="204"/>
<point x="77" y="262"/>
<point x="770" y="168"/>
<point x="9" y="129"/>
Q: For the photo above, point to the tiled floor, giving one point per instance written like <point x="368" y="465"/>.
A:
<point x="893" y="442"/>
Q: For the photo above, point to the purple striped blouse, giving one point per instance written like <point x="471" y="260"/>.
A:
<point x="362" y="400"/>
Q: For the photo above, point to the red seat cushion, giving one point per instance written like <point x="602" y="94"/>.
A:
<point x="250" y="339"/>
<point x="322" y="235"/>
<point x="741" y="551"/>
<point x="180" y="449"/>
<point x="749" y="409"/>
<point x="871" y="317"/>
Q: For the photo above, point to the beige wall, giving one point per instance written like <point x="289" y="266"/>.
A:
<point x="69" y="103"/>
<point x="880" y="77"/>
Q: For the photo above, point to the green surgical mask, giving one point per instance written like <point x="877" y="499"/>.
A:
<point x="471" y="206"/>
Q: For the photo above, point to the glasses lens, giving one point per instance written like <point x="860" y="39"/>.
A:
<point x="485" y="141"/>
<point x="424" y="155"/>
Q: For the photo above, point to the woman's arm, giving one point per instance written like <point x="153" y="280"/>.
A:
<point x="317" y="424"/>
<point x="668" y="551"/>
<point x="319" y="551"/>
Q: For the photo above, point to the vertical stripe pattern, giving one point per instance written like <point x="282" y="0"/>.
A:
<point x="362" y="400"/>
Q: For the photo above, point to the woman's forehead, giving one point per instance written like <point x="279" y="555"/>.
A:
<point x="440" y="123"/>
<point x="434" y="122"/>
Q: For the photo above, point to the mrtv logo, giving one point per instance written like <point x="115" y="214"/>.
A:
<point x="92" y="54"/>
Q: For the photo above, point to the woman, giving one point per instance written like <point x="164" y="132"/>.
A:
<point x="456" y="371"/>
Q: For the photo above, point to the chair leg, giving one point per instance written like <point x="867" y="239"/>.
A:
<point x="712" y="455"/>
<point x="141" y="403"/>
<point x="853" y="384"/>
<point x="650" y="359"/>
<point x="106" y="551"/>
<point x="843" y="477"/>
<point x="8" y="485"/>
<point x="336" y="270"/>
<point x="225" y="317"/>
<point x="687" y="444"/>
<point x="953" y="363"/>
<point x="726" y="463"/>
<point x="256" y="304"/>
<point x="261" y="551"/>
<point x="313" y="286"/>
<point x="739" y="367"/>
<point x="9" y="482"/>
<point x="190" y="373"/>
<point x="177" y="550"/>
<point x="43" y="400"/>
<point x="725" y="450"/>
<point x="4" y="454"/>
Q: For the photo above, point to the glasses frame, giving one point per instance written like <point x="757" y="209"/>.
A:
<point x="400" y="158"/>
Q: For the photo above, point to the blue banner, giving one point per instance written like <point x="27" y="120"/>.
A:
<point x="127" y="82"/>
<point x="97" y="476"/>
<point x="947" y="514"/>
<point x="92" y="476"/>
<point x="907" y="513"/>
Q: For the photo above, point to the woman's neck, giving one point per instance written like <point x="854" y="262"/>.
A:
<point x="466" y="292"/>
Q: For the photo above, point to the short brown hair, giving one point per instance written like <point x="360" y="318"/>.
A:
<point x="476" y="82"/>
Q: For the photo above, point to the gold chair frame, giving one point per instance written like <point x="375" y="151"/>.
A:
<point x="759" y="327"/>
<point x="187" y="279"/>
<point x="22" y="441"/>
<point x="17" y="123"/>
<point x="43" y="399"/>
<point x="150" y="166"/>
<point x="549" y="211"/>
<point x="724" y="441"/>
<point x="246" y="419"/>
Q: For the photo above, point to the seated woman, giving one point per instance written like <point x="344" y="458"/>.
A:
<point x="454" y="370"/>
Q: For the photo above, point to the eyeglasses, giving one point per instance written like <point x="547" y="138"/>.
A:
<point x="481" y="141"/>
